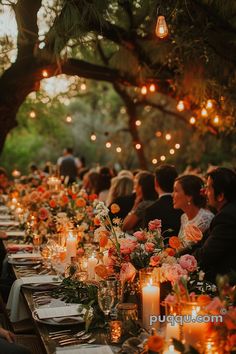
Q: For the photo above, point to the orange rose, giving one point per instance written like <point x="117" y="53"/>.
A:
<point x="80" y="203"/>
<point x="102" y="271"/>
<point x="52" y="203"/>
<point x="203" y="300"/>
<point x="174" y="242"/>
<point x="115" y="208"/>
<point x="96" y="221"/>
<point x="64" y="199"/>
<point x="155" y="343"/>
<point x="170" y="251"/>
<point x="103" y="239"/>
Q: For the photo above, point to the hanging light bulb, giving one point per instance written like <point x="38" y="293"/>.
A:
<point x="152" y="88"/>
<point x="192" y="120"/>
<point x="144" y="90"/>
<point x="172" y="151"/>
<point x="168" y="137"/>
<point x="118" y="149"/>
<point x="177" y="146"/>
<point x="216" y="120"/>
<point x="108" y="144"/>
<point x="154" y="161"/>
<point x="209" y="104"/>
<point x="162" y="158"/>
<point x="83" y="86"/>
<point x="180" y="106"/>
<point x="204" y="112"/>
<point x="44" y="73"/>
<point x="93" y="137"/>
<point x="138" y="146"/>
<point x="138" y="122"/>
<point x="161" y="27"/>
<point x="158" y="134"/>
<point x="32" y="114"/>
<point x="68" y="119"/>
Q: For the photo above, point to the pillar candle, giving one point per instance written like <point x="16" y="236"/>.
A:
<point x="194" y="332"/>
<point x="170" y="350"/>
<point x="71" y="246"/>
<point x="92" y="262"/>
<point x="105" y="258"/>
<point x="172" y="331"/>
<point x="150" y="303"/>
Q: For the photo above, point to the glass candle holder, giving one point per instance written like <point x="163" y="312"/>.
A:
<point x="115" y="331"/>
<point x="194" y="327"/>
<point x="150" y="292"/>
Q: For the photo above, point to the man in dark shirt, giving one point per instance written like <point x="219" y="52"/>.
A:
<point x="218" y="253"/>
<point x="68" y="166"/>
<point x="162" y="209"/>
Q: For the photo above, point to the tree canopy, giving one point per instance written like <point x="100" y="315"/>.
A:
<point x="115" y="41"/>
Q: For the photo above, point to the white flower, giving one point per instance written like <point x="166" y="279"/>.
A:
<point x="201" y="275"/>
<point x="101" y="209"/>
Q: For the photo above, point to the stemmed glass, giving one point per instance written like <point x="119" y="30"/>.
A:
<point x="106" y="296"/>
<point x="37" y="241"/>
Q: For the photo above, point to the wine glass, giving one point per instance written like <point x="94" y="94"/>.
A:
<point x="37" y="241"/>
<point x="106" y="296"/>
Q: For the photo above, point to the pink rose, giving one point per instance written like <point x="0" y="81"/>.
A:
<point x="140" y="235"/>
<point x="149" y="247"/>
<point x="188" y="262"/>
<point x="193" y="233"/>
<point x="127" y="246"/>
<point x="43" y="214"/>
<point x="173" y="272"/>
<point x="80" y="251"/>
<point x="127" y="272"/>
<point x="171" y="300"/>
<point x="230" y="319"/>
<point x="214" y="306"/>
<point x="155" y="225"/>
<point x="154" y="261"/>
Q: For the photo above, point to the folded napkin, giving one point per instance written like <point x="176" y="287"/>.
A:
<point x="5" y="217"/>
<point x="85" y="349"/>
<point x="15" y="247"/>
<point x="9" y="223"/>
<point x="4" y="209"/>
<point x="63" y="311"/>
<point x="16" y="304"/>
<point x="41" y="279"/>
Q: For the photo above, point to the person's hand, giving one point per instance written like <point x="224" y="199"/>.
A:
<point x="3" y="235"/>
<point x="9" y="336"/>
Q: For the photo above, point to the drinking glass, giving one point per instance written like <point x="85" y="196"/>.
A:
<point x="106" y="296"/>
<point x="37" y="241"/>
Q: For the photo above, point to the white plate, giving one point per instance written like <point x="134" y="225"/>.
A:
<point x="62" y="321"/>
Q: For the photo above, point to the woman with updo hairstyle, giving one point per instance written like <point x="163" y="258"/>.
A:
<point x="105" y="176"/>
<point x="144" y="186"/>
<point x="189" y="196"/>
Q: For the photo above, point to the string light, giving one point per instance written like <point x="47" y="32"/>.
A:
<point x="192" y="120"/>
<point x="180" y="106"/>
<point x="216" y="120"/>
<point x="108" y="144"/>
<point x="122" y="110"/>
<point x="162" y="158"/>
<point x="93" y="137"/>
<point x="158" y="134"/>
<point x="172" y="151"/>
<point x="161" y="27"/>
<point x="204" y="112"/>
<point x="44" y="73"/>
<point x="154" y="161"/>
<point x="177" y="146"/>
<point x="83" y="86"/>
<point x="138" y="146"/>
<point x="138" y="123"/>
<point x="209" y="104"/>
<point x="168" y="137"/>
<point x="118" y="149"/>
<point x="144" y="90"/>
<point x="152" y="88"/>
<point x="68" y="119"/>
<point x="32" y="114"/>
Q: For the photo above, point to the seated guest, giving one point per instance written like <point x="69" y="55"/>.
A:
<point x="91" y="182"/>
<point x="188" y="196"/>
<point x="121" y="193"/>
<point x="105" y="176"/>
<point x="163" y="209"/>
<point x="217" y="254"/>
<point x="7" y="345"/>
<point x="145" y="196"/>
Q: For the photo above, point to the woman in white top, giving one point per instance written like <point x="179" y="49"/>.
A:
<point x="189" y="196"/>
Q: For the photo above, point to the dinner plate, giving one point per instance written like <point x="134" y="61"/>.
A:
<point x="23" y="261"/>
<point x="58" y="321"/>
<point x="41" y="287"/>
